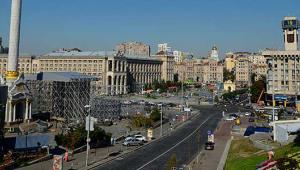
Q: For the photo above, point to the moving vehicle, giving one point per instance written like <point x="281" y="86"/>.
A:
<point x="132" y="142"/>
<point x="209" y="145"/>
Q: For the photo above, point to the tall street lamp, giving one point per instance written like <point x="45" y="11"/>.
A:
<point x="161" y="115"/>
<point x="88" y="123"/>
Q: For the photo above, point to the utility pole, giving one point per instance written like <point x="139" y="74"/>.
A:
<point x="161" y="116"/>
<point x="273" y="98"/>
<point x="249" y="84"/>
<point x="182" y="92"/>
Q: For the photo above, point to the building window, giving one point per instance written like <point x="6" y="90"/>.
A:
<point x="290" y="38"/>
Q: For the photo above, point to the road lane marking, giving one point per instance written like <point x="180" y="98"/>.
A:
<point x="175" y="145"/>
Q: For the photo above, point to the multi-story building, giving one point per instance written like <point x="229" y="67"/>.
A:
<point x="243" y="71"/>
<point x="229" y="63"/>
<point x="142" y="70"/>
<point x="3" y="50"/>
<point x="259" y="66"/>
<point x="208" y="70"/>
<point x="178" y="56"/>
<point x="25" y="63"/>
<point x="116" y="73"/>
<point x="134" y="48"/>
<point x="211" y="71"/>
<point x="185" y="70"/>
<point x="164" y="47"/>
<point x="284" y="66"/>
<point x="167" y="66"/>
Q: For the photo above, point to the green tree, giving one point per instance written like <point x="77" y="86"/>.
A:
<point x="280" y="114"/>
<point x="171" y="162"/>
<point x="228" y="75"/>
<point x="216" y="99"/>
<point x="176" y="77"/>
<point x="252" y="77"/>
<point x="77" y="137"/>
<point x="155" y="114"/>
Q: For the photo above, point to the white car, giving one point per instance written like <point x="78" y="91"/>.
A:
<point x="132" y="142"/>
<point x="128" y="138"/>
<point x="140" y="138"/>
<point x="230" y="118"/>
<point x="247" y="114"/>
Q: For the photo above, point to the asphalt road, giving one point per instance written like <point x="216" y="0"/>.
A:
<point x="185" y="143"/>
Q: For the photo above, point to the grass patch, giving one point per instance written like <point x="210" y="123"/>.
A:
<point x="244" y="156"/>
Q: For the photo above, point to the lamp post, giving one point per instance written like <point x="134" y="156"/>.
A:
<point x="273" y="98"/>
<point x="161" y="115"/>
<point x="88" y="134"/>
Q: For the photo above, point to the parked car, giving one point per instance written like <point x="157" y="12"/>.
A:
<point x="209" y="145"/>
<point x="251" y="119"/>
<point x="247" y="113"/>
<point x="234" y="115"/>
<point x="140" y="137"/>
<point x="132" y="142"/>
<point x="230" y="118"/>
<point x="128" y="138"/>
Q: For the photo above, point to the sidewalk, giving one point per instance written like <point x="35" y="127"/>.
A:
<point x="209" y="159"/>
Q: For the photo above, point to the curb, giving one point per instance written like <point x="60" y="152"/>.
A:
<point x="223" y="159"/>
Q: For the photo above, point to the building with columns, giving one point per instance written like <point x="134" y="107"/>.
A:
<point x="142" y="70"/>
<point x="283" y="78"/>
<point x="167" y="66"/>
<point x="116" y="72"/>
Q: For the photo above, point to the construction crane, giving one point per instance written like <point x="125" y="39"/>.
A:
<point x="260" y="103"/>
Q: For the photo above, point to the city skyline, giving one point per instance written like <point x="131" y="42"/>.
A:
<point x="193" y="26"/>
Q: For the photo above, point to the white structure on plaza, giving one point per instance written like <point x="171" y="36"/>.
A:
<point x="282" y="129"/>
<point x="18" y="106"/>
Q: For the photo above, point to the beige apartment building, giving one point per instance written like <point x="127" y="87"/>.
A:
<point x="207" y="71"/>
<point x="229" y="63"/>
<point x="186" y="70"/>
<point x="25" y="63"/>
<point x="259" y="65"/>
<point x="116" y="73"/>
<point x="243" y="71"/>
<point x="211" y="71"/>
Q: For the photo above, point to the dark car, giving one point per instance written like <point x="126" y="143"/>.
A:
<point x="251" y="119"/>
<point x="234" y="115"/>
<point x="209" y="146"/>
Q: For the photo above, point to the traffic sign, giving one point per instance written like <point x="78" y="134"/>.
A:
<point x="89" y="123"/>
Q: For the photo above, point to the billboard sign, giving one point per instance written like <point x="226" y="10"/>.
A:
<point x="57" y="162"/>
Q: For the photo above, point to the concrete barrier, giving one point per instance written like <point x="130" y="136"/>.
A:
<point x="222" y="162"/>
